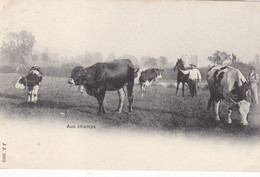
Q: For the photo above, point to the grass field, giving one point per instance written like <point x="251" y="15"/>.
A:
<point x="159" y="110"/>
<point x="164" y="132"/>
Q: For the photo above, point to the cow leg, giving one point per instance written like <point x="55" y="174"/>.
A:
<point x="104" y="109"/>
<point x="130" y="86"/>
<point x="121" y="95"/>
<point x="30" y="96"/>
<point x="229" y="116"/>
<point x="177" y="87"/>
<point x="216" y="110"/>
<point x="100" y="98"/>
<point x="81" y="88"/>
<point x="32" y="100"/>
<point x="209" y="102"/>
<point x="142" y="89"/>
<point x="35" y="93"/>
<point x="183" y="89"/>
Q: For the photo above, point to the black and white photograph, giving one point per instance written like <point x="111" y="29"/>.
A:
<point x="130" y="85"/>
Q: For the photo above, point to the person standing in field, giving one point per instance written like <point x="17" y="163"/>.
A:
<point x="253" y="79"/>
<point x="194" y="79"/>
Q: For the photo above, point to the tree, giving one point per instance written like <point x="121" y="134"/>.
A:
<point x="234" y="58"/>
<point x="131" y="57"/>
<point x="150" y="62"/>
<point x="17" y="48"/>
<point x="35" y="58"/>
<point x="194" y="60"/>
<point x="111" y="57"/>
<point x="163" y="61"/>
<point x="91" y="58"/>
<point x="257" y="59"/>
<point x="97" y="57"/>
<point x="219" y="57"/>
<point x="45" y="57"/>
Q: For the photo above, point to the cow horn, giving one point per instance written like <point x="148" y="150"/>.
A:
<point x="233" y="101"/>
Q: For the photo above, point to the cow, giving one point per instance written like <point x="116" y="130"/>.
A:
<point x="228" y="83"/>
<point x="30" y="81"/>
<point x="108" y="76"/>
<point x="146" y="77"/>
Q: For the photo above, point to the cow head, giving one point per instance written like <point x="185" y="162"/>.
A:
<point x="241" y="91"/>
<point x="159" y="73"/>
<point x="76" y="76"/>
<point x="21" y="83"/>
<point x="243" y="108"/>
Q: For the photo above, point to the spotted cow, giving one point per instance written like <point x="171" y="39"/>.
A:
<point x="145" y="77"/>
<point x="31" y="82"/>
<point x="228" y="83"/>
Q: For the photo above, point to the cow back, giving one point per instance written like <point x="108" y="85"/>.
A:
<point x="112" y="75"/>
<point x="226" y="80"/>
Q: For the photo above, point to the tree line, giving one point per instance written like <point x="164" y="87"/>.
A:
<point x="17" y="53"/>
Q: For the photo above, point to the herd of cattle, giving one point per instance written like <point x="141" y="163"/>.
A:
<point x="225" y="83"/>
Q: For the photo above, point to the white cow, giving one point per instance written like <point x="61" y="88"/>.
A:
<point x="226" y="82"/>
<point x="31" y="81"/>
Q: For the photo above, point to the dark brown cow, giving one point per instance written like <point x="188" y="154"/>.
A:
<point x="102" y="77"/>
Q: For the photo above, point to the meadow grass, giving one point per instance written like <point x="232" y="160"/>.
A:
<point x="160" y="109"/>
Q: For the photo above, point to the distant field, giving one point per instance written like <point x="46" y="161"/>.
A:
<point x="159" y="110"/>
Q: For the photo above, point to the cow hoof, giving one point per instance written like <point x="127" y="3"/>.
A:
<point x="104" y="110"/>
<point x="130" y="109"/>
<point x="244" y="123"/>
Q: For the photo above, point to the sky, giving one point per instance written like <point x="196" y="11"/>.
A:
<point x="141" y="28"/>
